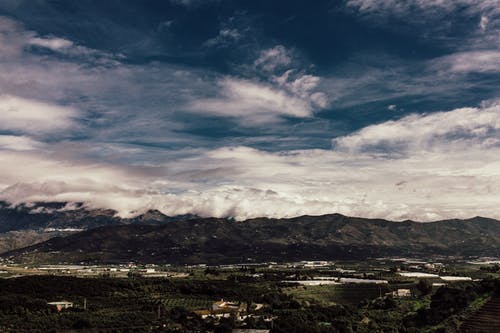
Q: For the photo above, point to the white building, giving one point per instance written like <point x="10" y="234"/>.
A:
<point x="61" y="305"/>
<point x="402" y="293"/>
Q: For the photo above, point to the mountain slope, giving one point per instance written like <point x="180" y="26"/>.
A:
<point x="57" y="215"/>
<point x="25" y="225"/>
<point x="307" y="237"/>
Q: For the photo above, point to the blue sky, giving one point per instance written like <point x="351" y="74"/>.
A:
<point x="376" y="108"/>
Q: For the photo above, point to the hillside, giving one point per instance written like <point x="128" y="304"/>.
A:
<point x="57" y="215"/>
<point x="214" y="240"/>
<point x="25" y="225"/>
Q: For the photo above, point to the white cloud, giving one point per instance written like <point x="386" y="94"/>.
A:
<point x="274" y="58"/>
<point x="319" y="99"/>
<point x="397" y="6"/>
<point x="483" y="23"/>
<point x="16" y="43"/>
<point x="441" y="131"/>
<point x="55" y="43"/>
<point x="438" y="17"/>
<point x="278" y="92"/>
<point x="484" y="61"/>
<point x="303" y="85"/>
<point x="32" y="177"/>
<point x="253" y="102"/>
<point x="31" y="116"/>
<point x="225" y="37"/>
<point x="19" y="143"/>
<point x="189" y="3"/>
<point x="12" y="38"/>
<point x="475" y="50"/>
<point x="81" y="90"/>
<point x="444" y="165"/>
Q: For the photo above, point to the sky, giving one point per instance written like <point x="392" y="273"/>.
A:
<point x="232" y="108"/>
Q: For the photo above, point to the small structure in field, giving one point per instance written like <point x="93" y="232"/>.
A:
<point x="61" y="305"/>
<point x="401" y="293"/>
<point x="204" y="314"/>
<point x="226" y="306"/>
<point x="456" y="278"/>
<point x="223" y="309"/>
<point x="419" y="275"/>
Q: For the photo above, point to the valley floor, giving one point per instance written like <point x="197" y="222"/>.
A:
<point x="354" y="296"/>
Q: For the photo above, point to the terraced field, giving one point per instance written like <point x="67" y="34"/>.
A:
<point x="187" y="302"/>
<point x="486" y="320"/>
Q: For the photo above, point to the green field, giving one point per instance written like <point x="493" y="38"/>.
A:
<point x="158" y="304"/>
<point x="337" y="294"/>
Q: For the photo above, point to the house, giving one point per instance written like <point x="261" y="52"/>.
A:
<point x="402" y="293"/>
<point x="429" y="266"/>
<point x="223" y="309"/>
<point x="204" y="314"/>
<point x="227" y="306"/>
<point x="61" y="305"/>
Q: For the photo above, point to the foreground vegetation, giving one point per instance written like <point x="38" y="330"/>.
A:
<point x="139" y="304"/>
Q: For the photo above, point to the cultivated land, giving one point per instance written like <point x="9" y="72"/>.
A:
<point x="159" y="298"/>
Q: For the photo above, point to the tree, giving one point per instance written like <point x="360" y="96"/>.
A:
<point x="424" y="287"/>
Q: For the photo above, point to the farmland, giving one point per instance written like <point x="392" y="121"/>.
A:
<point x="343" y="297"/>
<point x="337" y="294"/>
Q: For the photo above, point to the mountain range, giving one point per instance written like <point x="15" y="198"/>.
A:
<point x="156" y="238"/>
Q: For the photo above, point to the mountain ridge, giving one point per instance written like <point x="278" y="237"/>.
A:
<point x="40" y="215"/>
<point x="216" y="240"/>
<point x="30" y="223"/>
